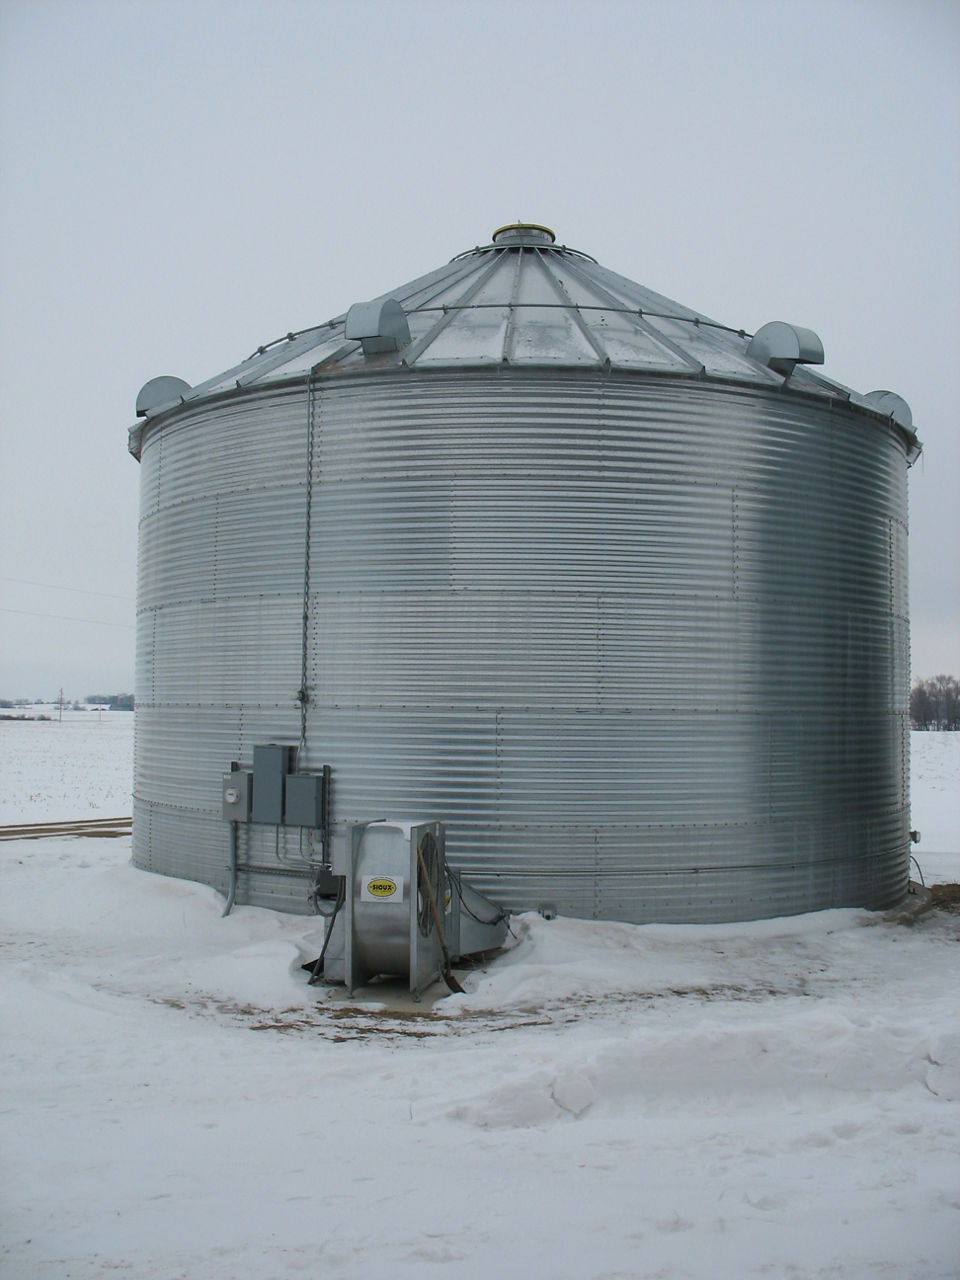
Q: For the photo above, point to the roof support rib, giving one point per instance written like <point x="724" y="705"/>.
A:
<point x="601" y="351"/>
<point x="510" y="334"/>
<point x="414" y="350"/>
<point x="638" y="319"/>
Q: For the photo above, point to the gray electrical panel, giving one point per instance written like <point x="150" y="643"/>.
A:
<point x="271" y="764"/>
<point x="303" y="805"/>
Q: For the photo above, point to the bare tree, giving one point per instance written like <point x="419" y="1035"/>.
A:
<point x="935" y="703"/>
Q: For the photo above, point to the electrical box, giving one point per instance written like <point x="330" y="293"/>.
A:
<point x="271" y="764"/>
<point x="237" y="792"/>
<point x="326" y="884"/>
<point x="303" y="804"/>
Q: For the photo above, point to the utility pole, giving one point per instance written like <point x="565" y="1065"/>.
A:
<point x="61" y="705"/>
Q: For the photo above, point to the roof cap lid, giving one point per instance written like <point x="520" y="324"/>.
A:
<point x="523" y="233"/>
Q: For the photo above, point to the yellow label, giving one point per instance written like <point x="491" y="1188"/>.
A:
<point x="383" y="887"/>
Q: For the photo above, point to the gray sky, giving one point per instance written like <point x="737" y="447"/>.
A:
<point x="184" y="181"/>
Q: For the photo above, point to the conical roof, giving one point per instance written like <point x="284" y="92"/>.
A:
<point x="524" y="300"/>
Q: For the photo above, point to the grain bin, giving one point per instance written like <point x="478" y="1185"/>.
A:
<point x="616" y="592"/>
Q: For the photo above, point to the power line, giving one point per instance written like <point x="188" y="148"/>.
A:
<point x="62" y="617"/>
<point x="49" y="586"/>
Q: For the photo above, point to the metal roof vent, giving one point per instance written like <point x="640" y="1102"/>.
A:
<point x="380" y="325"/>
<point x="894" y="407"/>
<point x="160" y="393"/>
<point x="782" y="346"/>
<point x="523" y="233"/>
<point x="890" y="405"/>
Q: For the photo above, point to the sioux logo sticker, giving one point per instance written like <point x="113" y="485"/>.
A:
<point x="380" y="888"/>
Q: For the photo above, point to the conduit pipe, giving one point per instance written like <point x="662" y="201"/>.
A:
<point x="232" y="867"/>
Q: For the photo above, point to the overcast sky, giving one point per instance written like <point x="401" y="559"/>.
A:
<point x="184" y="181"/>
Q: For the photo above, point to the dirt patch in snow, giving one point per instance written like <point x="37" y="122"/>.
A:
<point x="946" y="897"/>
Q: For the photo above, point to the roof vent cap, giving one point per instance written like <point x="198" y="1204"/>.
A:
<point x="160" y="393"/>
<point x="782" y="346"/>
<point x="523" y="233"/>
<point x="380" y="325"/>
<point x="891" y="406"/>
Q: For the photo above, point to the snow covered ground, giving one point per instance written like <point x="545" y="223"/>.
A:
<point x="777" y="1099"/>
<point x="52" y="770"/>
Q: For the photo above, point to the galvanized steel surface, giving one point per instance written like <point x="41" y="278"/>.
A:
<point x="640" y="642"/>
<point x="646" y="654"/>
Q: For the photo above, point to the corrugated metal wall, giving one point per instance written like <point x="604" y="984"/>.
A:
<point x="640" y="642"/>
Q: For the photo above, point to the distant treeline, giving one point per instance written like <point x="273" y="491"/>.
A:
<point x="935" y="703"/>
<point x="115" y="701"/>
